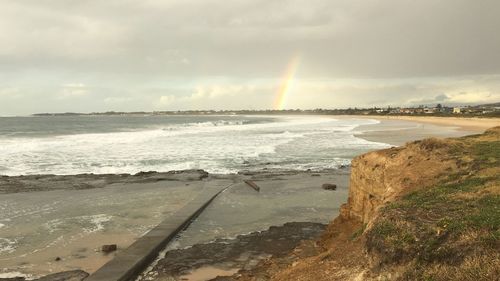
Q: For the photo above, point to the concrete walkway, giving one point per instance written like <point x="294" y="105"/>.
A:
<point x="131" y="262"/>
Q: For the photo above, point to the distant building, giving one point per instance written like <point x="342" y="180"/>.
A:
<point x="457" y="110"/>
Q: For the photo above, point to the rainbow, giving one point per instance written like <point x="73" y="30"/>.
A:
<point x="286" y="84"/>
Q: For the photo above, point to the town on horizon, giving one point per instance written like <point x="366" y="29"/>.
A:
<point x="485" y="110"/>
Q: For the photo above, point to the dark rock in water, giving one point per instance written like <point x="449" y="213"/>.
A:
<point x="108" y="248"/>
<point x="315" y="175"/>
<point x="142" y="173"/>
<point x="57" y="259"/>
<point x="329" y="186"/>
<point x="244" y="252"/>
<point x="74" y="275"/>
<point x="252" y="184"/>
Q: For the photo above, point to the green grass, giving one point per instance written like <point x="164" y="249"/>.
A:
<point x="384" y="229"/>
<point x="432" y="198"/>
<point x="488" y="215"/>
<point x="356" y="234"/>
<point x="425" y="225"/>
<point x="487" y="153"/>
<point x="452" y="227"/>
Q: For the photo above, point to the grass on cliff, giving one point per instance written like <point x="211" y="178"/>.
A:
<point x="450" y="231"/>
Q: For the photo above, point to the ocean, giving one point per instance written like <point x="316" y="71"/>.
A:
<point x="218" y="144"/>
<point x="37" y="227"/>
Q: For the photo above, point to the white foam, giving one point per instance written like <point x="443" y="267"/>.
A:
<point x="13" y="274"/>
<point x="7" y="245"/>
<point x="53" y="225"/>
<point x="98" y="222"/>
<point x="216" y="146"/>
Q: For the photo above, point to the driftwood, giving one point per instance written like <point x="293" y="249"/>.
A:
<point x="252" y="185"/>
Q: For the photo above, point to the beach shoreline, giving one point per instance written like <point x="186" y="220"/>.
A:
<point x="399" y="130"/>
<point x="465" y="123"/>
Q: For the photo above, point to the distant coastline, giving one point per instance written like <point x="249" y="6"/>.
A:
<point x="485" y="110"/>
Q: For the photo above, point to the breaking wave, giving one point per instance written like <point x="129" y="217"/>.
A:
<point x="218" y="146"/>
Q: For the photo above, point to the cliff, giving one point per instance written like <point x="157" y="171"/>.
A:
<point x="381" y="176"/>
<point x="429" y="210"/>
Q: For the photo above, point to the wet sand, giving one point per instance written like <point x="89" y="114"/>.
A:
<point x="203" y="273"/>
<point x="398" y="132"/>
<point x="466" y="123"/>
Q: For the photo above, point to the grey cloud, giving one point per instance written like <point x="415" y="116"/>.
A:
<point x="130" y="47"/>
<point x="251" y="38"/>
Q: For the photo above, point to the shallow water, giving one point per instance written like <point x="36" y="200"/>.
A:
<point x="282" y="199"/>
<point x="207" y="273"/>
<point x="40" y="226"/>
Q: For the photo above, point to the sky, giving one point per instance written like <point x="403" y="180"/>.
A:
<point x="145" y="55"/>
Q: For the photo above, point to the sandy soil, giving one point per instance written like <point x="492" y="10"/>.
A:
<point x="473" y="123"/>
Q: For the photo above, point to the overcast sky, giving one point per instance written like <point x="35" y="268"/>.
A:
<point x="99" y="55"/>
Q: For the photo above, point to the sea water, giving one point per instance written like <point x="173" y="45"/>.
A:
<point x="217" y="144"/>
<point x="37" y="227"/>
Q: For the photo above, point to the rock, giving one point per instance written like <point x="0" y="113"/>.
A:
<point x="108" y="248"/>
<point x="381" y="176"/>
<point x="329" y="186"/>
<point x="13" y="279"/>
<point x="74" y="275"/>
<point x="57" y="259"/>
<point x="252" y="184"/>
<point x="145" y="173"/>
<point x="243" y="252"/>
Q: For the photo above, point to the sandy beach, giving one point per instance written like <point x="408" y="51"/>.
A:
<point x="469" y="124"/>
<point x="398" y="130"/>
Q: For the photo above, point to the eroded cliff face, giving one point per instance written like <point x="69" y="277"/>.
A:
<point x="446" y="178"/>
<point x="446" y="228"/>
<point x="381" y="176"/>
